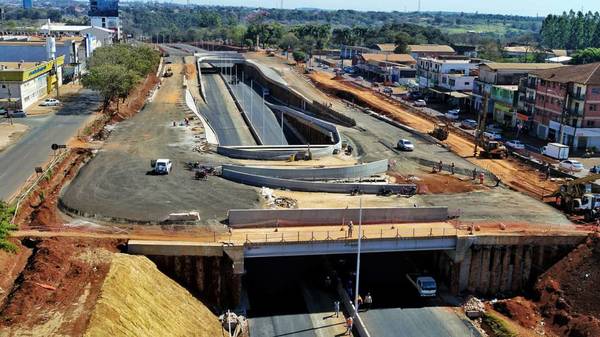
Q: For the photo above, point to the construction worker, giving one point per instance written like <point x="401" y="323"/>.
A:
<point x="440" y="166"/>
<point x="474" y="173"/>
<point x="452" y="168"/>
<point x="481" y="177"/>
<point x="327" y="281"/>
<point x="368" y="301"/>
<point x="336" y="308"/>
<point x="350" y="226"/>
<point x="359" y="301"/>
<point x="349" y="322"/>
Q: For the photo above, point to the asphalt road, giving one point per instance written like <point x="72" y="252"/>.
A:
<point x="17" y="162"/>
<point x="116" y="183"/>
<point x="262" y="118"/>
<point x="222" y="114"/>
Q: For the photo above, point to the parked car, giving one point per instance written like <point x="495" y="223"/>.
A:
<point x="493" y="128"/>
<point x="515" y="144"/>
<point x="50" y="102"/>
<point x="420" y="102"/>
<point x="468" y="124"/>
<point x="396" y="84"/>
<point x="493" y="135"/>
<point x="571" y="165"/>
<point x="17" y="114"/>
<point x="405" y="145"/>
<point x="388" y="90"/>
<point x="452" y="114"/>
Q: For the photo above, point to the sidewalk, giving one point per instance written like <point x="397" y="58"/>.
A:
<point x="320" y="306"/>
<point x="66" y="92"/>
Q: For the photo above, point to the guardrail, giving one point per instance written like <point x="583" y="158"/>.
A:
<point x="297" y="237"/>
<point x="30" y="186"/>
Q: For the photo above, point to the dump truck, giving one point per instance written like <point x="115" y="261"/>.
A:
<point x="491" y="148"/>
<point x="579" y="197"/>
<point x="440" y="131"/>
<point x="425" y="285"/>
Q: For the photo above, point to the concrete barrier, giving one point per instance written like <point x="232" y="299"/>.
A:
<point x="239" y="218"/>
<point x="355" y="171"/>
<point x="358" y="323"/>
<point x="282" y="152"/>
<point x="211" y="135"/>
<point x="313" y="186"/>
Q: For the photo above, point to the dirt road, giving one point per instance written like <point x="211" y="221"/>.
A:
<point x="515" y="175"/>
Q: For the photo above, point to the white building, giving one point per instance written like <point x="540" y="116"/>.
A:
<point x="447" y="73"/>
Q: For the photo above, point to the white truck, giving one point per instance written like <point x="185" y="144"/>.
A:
<point x="161" y="166"/>
<point x="556" y="151"/>
<point x="426" y="285"/>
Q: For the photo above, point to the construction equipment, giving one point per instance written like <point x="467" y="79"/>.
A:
<point x="440" y="131"/>
<point x="168" y="73"/>
<point x="491" y="148"/>
<point x="578" y="197"/>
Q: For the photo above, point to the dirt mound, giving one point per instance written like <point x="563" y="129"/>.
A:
<point x="437" y="183"/>
<point x="11" y="266"/>
<point x="55" y="292"/>
<point x="138" y="300"/>
<point x="568" y="292"/>
<point x="520" y="310"/>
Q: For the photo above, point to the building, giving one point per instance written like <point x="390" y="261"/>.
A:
<point x="430" y="50"/>
<point x="567" y="104"/>
<point x="447" y="78"/>
<point x="385" y="67"/>
<point x="105" y="14"/>
<point x="348" y="52"/>
<point x="384" y="47"/>
<point x="102" y="36"/>
<point x="24" y="83"/>
<point x="27" y="4"/>
<point x="500" y="83"/>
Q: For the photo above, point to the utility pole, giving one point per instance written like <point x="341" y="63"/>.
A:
<point x="481" y="122"/>
<point x="358" y="262"/>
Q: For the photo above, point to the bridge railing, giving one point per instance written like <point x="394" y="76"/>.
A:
<point x="292" y="237"/>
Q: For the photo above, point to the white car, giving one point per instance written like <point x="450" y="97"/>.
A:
<point x="405" y="145"/>
<point x="50" y="102"/>
<point x="452" y="114"/>
<point x="420" y="102"/>
<point x="515" y="144"/>
<point x="493" y="135"/>
<point x="570" y="165"/>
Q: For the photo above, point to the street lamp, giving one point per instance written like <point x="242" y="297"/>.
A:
<point x="358" y="262"/>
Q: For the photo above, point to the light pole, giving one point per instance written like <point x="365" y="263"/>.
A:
<point x="358" y="262"/>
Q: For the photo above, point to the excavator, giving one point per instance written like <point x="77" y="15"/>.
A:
<point x="440" y="131"/>
<point x="578" y="196"/>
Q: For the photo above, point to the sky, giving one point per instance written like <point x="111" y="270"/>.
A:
<point x="517" y="7"/>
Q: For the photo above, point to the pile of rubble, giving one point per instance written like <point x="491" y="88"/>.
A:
<point x="473" y="307"/>
<point x="274" y="201"/>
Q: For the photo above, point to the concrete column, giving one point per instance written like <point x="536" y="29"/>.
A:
<point x="539" y="257"/>
<point x="178" y="269"/>
<point x="213" y="280"/>
<point x="484" y="281"/>
<point x="527" y="261"/>
<point x="464" y="269"/>
<point x="199" y="273"/>
<point x="517" y="269"/>
<point x="188" y="271"/>
<point x="475" y="270"/>
<point x="505" y="270"/>
<point x="495" y="276"/>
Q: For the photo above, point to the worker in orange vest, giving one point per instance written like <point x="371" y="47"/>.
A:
<point x="481" y="176"/>
<point x="349" y="322"/>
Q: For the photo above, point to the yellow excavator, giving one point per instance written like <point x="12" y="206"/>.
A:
<point x="578" y="196"/>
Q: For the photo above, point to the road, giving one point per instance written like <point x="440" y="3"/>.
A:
<point x="262" y="118"/>
<point x="18" y="161"/>
<point x="223" y="115"/>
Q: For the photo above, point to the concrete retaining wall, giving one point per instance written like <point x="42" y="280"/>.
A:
<point x="211" y="135"/>
<point x="274" y="153"/>
<point x="311" y="186"/>
<point x="356" y="171"/>
<point x="334" y="216"/>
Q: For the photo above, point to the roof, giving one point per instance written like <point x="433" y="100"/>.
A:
<point x="559" y="59"/>
<point x="522" y="49"/>
<point x="394" y="58"/>
<point x="61" y="27"/>
<point x="508" y="87"/>
<point x="583" y="74"/>
<point x="519" y="66"/>
<point x="559" y="52"/>
<point x="430" y="48"/>
<point x="389" y="47"/>
<point x="11" y="66"/>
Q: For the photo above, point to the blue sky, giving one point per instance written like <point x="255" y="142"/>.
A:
<point x="519" y="7"/>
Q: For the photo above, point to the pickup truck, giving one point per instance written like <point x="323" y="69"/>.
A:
<point x="425" y="285"/>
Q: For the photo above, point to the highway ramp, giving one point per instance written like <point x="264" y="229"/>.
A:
<point x="223" y="115"/>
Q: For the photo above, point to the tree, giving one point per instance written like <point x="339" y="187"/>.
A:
<point x="299" y="56"/>
<point x="588" y="55"/>
<point x="289" y="40"/>
<point x="6" y="215"/>
<point x="402" y="40"/>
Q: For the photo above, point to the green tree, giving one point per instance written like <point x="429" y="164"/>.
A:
<point x="588" y="55"/>
<point x="6" y="214"/>
<point x="402" y="41"/>
<point x="289" y="40"/>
